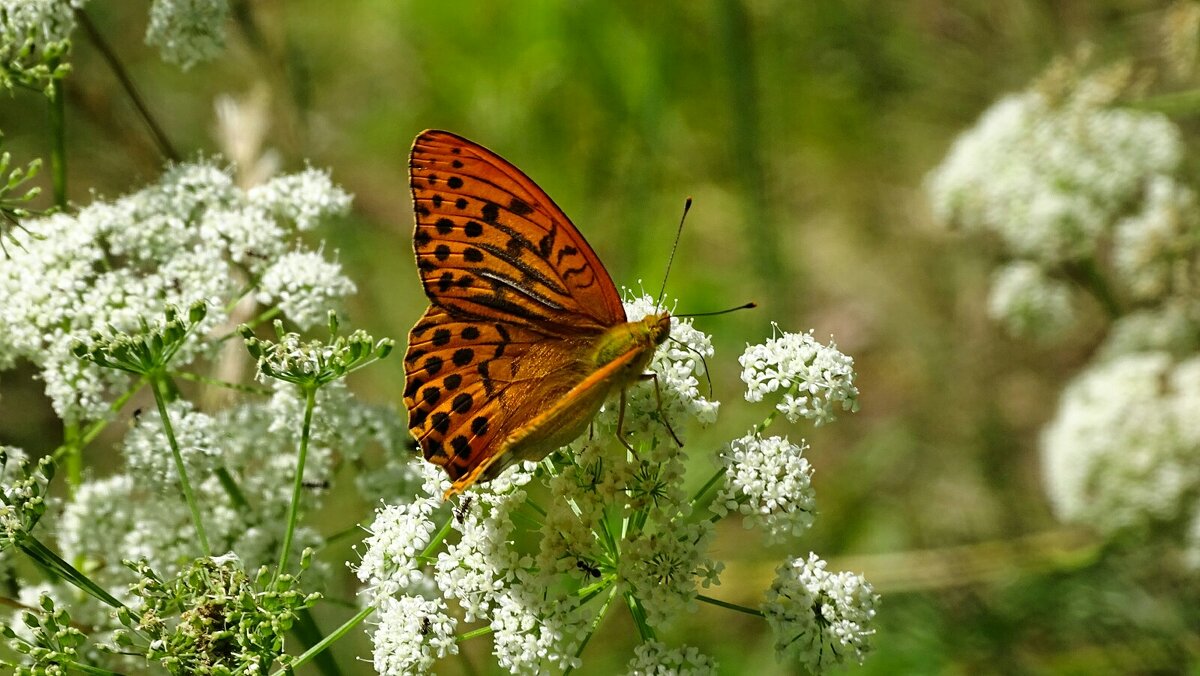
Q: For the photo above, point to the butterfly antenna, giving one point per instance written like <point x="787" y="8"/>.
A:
<point x="687" y="205"/>
<point x="698" y="353"/>
<point x="748" y="306"/>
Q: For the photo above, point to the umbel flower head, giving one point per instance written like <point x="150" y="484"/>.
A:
<point x="1121" y="451"/>
<point x="213" y="618"/>
<point x="194" y="237"/>
<point x="22" y="495"/>
<point x="315" y="363"/>
<point x="34" y="38"/>
<point x="820" y="618"/>
<point x="1050" y="169"/>
<point x="615" y="528"/>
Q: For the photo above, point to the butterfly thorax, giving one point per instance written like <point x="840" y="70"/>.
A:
<point x="639" y="338"/>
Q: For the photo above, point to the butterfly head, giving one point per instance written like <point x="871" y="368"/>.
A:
<point x="658" y="327"/>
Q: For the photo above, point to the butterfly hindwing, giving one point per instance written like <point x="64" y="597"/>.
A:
<point x="491" y="244"/>
<point x="471" y="383"/>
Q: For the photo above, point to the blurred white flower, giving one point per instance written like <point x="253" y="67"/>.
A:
<point x="46" y="21"/>
<point x="188" y="32"/>
<point x="769" y="482"/>
<point x="148" y="453"/>
<point x="820" y="618"/>
<point x="1172" y="327"/>
<point x="653" y="658"/>
<point x="1048" y="177"/>
<point x="1121" y="451"/>
<point x="815" y="378"/>
<point x="1030" y="303"/>
<point x="303" y="198"/>
<point x="304" y="286"/>
<point x="182" y="240"/>
<point x="1157" y="250"/>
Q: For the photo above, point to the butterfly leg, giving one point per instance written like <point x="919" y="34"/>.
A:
<point x="658" y="398"/>
<point x="621" y="425"/>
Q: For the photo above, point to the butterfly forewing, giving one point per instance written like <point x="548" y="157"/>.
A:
<point x="491" y="244"/>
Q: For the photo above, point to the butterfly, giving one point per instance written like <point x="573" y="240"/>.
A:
<point x="525" y="336"/>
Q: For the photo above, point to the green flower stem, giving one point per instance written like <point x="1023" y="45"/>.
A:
<point x="110" y="57"/>
<point x="708" y="486"/>
<point x="427" y="554"/>
<point x="586" y="594"/>
<point x="73" y="667"/>
<point x="1088" y="276"/>
<point x="336" y="634"/>
<point x="731" y="606"/>
<point x="74" y="459"/>
<point x="44" y="557"/>
<point x="645" y="631"/>
<point x="1186" y="102"/>
<point x="236" y="496"/>
<point x="216" y="382"/>
<point x="58" y="143"/>
<point x="310" y="403"/>
<point x="595" y="625"/>
<point x="437" y="539"/>
<point x="762" y="426"/>
<point x="97" y="427"/>
<point x="609" y="540"/>
<point x="309" y="633"/>
<point x="342" y="534"/>
<point x="535" y="507"/>
<point x="264" y="317"/>
<point x="161" y="386"/>
<point x="481" y="631"/>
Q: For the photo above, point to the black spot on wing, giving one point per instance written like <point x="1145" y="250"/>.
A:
<point x="519" y="207"/>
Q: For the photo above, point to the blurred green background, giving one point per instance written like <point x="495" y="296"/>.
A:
<point x="803" y="129"/>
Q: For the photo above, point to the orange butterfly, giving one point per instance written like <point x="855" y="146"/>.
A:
<point x="525" y="336"/>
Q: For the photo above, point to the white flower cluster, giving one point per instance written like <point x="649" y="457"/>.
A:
<point x="653" y="658"/>
<point x="820" y="618"/>
<point x="539" y="595"/>
<point x="1030" y="303"/>
<point x="304" y="198"/>
<point x="1074" y="187"/>
<point x="14" y="493"/>
<point x="397" y="536"/>
<point x="1121" y="451"/>
<point x="411" y="634"/>
<point x="139" y="513"/>
<point x="148" y="453"/>
<point x="194" y="236"/>
<point x="769" y="482"/>
<point x="537" y="622"/>
<point x="1157" y="250"/>
<point x="304" y="286"/>
<point x="1048" y="176"/>
<point x="815" y="378"/>
<point x="187" y="32"/>
<point x="46" y="21"/>
<point x="678" y="364"/>
<point x="1172" y="327"/>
